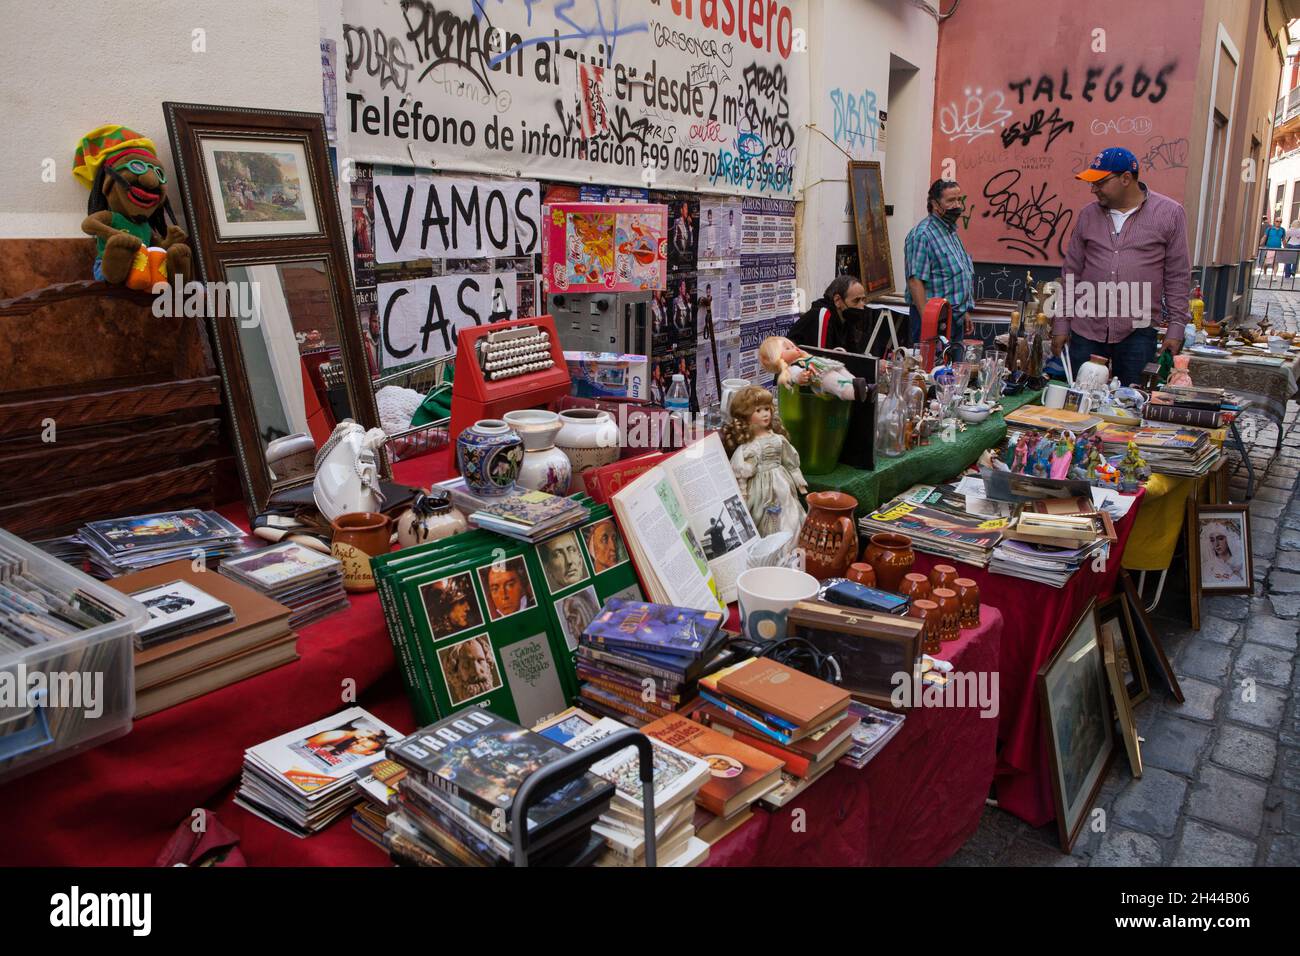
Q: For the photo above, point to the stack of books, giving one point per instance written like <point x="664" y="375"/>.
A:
<point x="740" y="774"/>
<point x="631" y="642"/>
<point x="530" y="516"/>
<point x="1186" y="405"/>
<point x="678" y="778"/>
<point x="302" y="781"/>
<point x="193" y="661"/>
<point x="377" y="789"/>
<point x="122" y="545"/>
<point x="936" y="518"/>
<point x="455" y="803"/>
<point x="304" y="580"/>
<point x="1182" y="451"/>
<point x="1043" y="563"/>
<point x="763" y="702"/>
<point x="875" y="728"/>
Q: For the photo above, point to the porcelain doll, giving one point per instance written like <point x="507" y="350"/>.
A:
<point x="793" y="366"/>
<point x="764" y="462"/>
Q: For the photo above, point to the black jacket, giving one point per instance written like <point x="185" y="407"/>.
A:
<point x="850" y="336"/>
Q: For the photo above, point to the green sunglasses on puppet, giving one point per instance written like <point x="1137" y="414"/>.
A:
<point x="140" y="167"/>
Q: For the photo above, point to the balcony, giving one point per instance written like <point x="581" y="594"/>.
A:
<point x="1287" y="107"/>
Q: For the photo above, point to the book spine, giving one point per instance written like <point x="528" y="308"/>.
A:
<point x="1181" y="415"/>
<point x="410" y="676"/>
<point x="640" y="667"/>
<point x="628" y="685"/>
<point x="614" y="643"/>
<point x="423" y="703"/>
<point x="746" y="718"/>
<point x="632" y="696"/>
<point x="643" y="713"/>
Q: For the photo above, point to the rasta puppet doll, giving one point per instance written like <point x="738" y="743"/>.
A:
<point x="133" y="243"/>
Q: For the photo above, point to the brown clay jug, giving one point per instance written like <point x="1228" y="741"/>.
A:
<point x="891" y="556"/>
<point x="829" y="537"/>
<point x="357" y="538"/>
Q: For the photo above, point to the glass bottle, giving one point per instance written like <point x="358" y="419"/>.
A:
<point x="891" y="415"/>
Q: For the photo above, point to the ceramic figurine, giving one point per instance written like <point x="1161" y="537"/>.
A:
<point x="347" y="471"/>
<point x="1079" y="465"/>
<point x="1131" y="468"/>
<point x="1020" y="464"/>
<point x="1042" y="462"/>
<point x="766" y="465"/>
<point x="489" y="455"/>
<point x="1062" y="456"/>
<point x="793" y="366"/>
<point x="430" y="518"/>
<point x="1181" y="374"/>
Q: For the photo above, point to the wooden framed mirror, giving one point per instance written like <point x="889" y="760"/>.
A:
<point x="262" y="208"/>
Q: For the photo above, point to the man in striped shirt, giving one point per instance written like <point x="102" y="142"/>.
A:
<point x="1127" y="260"/>
<point x="937" y="263"/>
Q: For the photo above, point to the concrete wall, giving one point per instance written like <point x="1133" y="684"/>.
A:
<point x="852" y="46"/>
<point x="72" y="66"/>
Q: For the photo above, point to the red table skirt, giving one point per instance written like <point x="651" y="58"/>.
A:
<point x="1038" y="619"/>
<point x="915" y="804"/>
<point x="118" y="804"/>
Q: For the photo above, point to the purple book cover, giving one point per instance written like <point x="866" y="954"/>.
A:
<point x="654" y="627"/>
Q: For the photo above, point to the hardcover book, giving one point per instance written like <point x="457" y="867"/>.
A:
<point x="784" y="692"/>
<point x="738" y="774"/>
<point x="660" y="628"/>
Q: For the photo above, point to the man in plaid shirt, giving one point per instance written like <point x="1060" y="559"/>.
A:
<point x="938" y="265"/>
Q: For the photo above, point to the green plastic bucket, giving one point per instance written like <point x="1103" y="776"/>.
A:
<point x="817" y="425"/>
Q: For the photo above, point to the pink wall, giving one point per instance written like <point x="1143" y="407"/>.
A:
<point x="1022" y="103"/>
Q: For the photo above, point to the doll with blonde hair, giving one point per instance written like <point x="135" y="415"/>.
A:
<point x="793" y="366"/>
<point x="764" y="462"/>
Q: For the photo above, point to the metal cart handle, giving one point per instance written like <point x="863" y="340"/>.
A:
<point x="544" y="782"/>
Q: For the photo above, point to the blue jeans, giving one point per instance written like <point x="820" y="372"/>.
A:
<point x="1127" y="357"/>
<point x="1290" y="266"/>
<point x="957" y="325"/>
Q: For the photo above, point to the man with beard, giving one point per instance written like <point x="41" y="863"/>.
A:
<point x="470" y="669"/>
<point x="837" y="320"/>
<point x="937" y="264"/>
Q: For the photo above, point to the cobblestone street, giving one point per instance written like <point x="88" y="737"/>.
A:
<point x="1221" y="781"/>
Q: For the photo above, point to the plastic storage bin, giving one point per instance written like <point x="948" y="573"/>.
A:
<point x="85" y="682"/>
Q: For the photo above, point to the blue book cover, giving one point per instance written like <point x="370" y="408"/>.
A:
<point x="657" y="628"/>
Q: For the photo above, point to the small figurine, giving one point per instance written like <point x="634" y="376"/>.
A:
<point x="1020" y="463"/>
<point x="766" y="465"/>
<point x="1181" y="374"/>
<point x="126" y="211"/>
<point x="1131" y="467"/>
<point x="1079" y="465"/>
<point x="793" y="366"/>
<point x="1042" y="461"/>
<point x="1106" y="474"/>
<point x="1062" y="456"/>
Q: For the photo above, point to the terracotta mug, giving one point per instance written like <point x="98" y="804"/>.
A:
<point x="861" y="573"/>
<point x="943" y="575"/>
<point x="890" y="556"/>
<point x="949" y="613"/>
<point x="829" y="537"/>
<point x="915" y="586"/>
<point x="968" y="592"/>
<point x="357" y="538"/>
<point x="927" y="612"/>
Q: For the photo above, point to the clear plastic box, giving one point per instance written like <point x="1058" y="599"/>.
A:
<point x="85" y="683"/>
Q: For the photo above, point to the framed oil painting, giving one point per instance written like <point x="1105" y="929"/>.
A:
<point x="259" y="188"/>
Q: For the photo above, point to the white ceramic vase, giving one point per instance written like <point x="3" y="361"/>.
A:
<point x="545" y="468"/>
<point x="589" y="437"/>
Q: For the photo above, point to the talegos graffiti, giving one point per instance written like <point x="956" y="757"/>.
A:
<point x="1153" y="85"/>
<point x="1035" y="219"/>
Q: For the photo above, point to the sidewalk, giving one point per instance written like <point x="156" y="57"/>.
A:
<point x="1221" y="780"/>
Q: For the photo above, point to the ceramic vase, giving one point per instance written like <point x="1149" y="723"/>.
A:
<point x="489" y="455"/>
<point x="862" y="573"/>
<point x="968" y="592"/>
<point x="915" y="586"/>
<point x="545" y="467"/>
<point x="890" y="556"/>
<point x="430" y="518"/>
<point x="927" y="612"/>
<point x="829" y="537"/>
<point x="942" y="576"/>
<point x="949" y="613"/>
<point x="357" y="538"/>
<point x="589" y="438"/>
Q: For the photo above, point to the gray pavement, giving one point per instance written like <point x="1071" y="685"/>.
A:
<point x="1221" y="781"/>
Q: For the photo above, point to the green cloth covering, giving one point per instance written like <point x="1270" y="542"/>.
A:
<point x="141" y="230"/>
<point x="927" y="465"/>
<point x="437" y="404"/>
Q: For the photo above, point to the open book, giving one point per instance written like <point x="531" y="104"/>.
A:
<point x="688" y="527"/>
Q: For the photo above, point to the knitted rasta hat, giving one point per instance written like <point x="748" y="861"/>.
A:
<point x="108" y="141"/>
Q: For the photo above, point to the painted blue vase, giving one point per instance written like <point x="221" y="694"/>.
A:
<point x="489" y="456"/>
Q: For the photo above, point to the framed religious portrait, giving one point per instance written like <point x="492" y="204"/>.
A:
<point x="1076" y="709"/>
<point x="1221" y="549"/>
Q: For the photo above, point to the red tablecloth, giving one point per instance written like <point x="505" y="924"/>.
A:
<point x="915" y="804"/>
<point x="1038" y="619"/>
<point x="119" y="803"/>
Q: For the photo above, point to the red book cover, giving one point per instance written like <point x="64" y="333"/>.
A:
<point x="738" y="774"/>
<point x="806" y="750"/>
<point x="602" y="482"/>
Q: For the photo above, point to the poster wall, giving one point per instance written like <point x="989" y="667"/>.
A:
<point x="635" y="93"/>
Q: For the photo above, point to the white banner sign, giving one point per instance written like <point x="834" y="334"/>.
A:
<point x="703" y="95"/>
<point x="419" y="319"/>
<point x="432" y="218"/>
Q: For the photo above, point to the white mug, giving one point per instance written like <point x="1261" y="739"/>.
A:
<point x="1054" y="395"/>
<point x="766" y="596"/>
<point x="730" y="386"/>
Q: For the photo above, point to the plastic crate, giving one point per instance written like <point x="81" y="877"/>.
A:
<point x="87" y="693"/>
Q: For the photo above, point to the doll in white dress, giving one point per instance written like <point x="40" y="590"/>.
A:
<point x="764" y="462"/>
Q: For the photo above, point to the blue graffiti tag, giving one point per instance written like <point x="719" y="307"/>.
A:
<point x="749" y="145"/>
<point x="856" y="118"/>
<point x="596" y="27"/>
